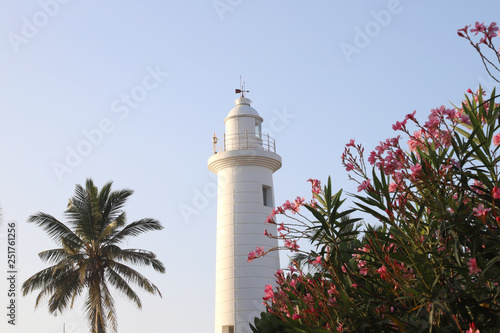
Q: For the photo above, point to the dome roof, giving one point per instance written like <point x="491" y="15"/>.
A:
<point x="243" y="108"/>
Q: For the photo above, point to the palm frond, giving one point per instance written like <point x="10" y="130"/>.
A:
<point x="53" y="255"/>
<point x="121" y="285"/>
<point x="38" y="280"/>
<point x="136" y="228"/>
<point x="141" y="258"/>
<point x="68" y="287"/>
<point x="115" y="203"/>
<point x="57" y="230"/>
<point x="81" y="214"/>
<point x="109" y="306"/>
<point x="131" y="275"/>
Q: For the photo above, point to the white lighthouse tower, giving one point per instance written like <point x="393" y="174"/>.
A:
<point x="244" y="160"/>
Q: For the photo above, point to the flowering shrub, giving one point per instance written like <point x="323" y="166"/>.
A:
<point x="430" y="262"/>
<point x="487" y="34"/>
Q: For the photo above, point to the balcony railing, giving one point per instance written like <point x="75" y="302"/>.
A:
<point x="244" y="141"/>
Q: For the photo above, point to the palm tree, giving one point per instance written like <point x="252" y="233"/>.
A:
<point x="89" y="258"/>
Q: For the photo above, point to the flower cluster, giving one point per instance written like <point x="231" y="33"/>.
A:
<point x="312" y="296"/>
<point x="487" y="34"/>
<point x="259" y="252"/>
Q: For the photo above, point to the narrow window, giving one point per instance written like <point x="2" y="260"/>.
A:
<point x="227" y="329"/>
<point x="267" y="196"/>
<point x="258" y="128"/>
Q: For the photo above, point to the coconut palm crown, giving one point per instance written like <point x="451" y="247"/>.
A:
<point x="90" y="259"/>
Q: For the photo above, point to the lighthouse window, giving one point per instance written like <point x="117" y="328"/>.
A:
<point x="258" y="128"/>
<point x="267" y="196"/>
<point x="227" y="329"/>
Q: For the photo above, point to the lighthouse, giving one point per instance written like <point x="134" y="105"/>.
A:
<point x="244" y="160"/>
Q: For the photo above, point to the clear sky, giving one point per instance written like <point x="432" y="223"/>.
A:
<point x="133" y="91"/>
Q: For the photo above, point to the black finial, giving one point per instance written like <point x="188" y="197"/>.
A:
<point x="242" y="90"/>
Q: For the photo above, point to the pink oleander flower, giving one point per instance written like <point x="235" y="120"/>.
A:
<point x="317" y="260"/>
<point x="364" y="185"/>
<point x="299" y="201"/>
<point x="308" y="298"/>
<point x="478" y="187"/>
<point x="393" y="187"/>
<point x="413" y="144"/>
<point x="296" y="316"/>
<point x="411" y="116"/>
<point x="416" y="170"/>
<point x="472" y="329"/>
<point x="362" y="267"/>
<point x="463" y="32"/>
<point x="384" y="275"/>
<point x="269" y="293"/>
<point x="349" y="167"/>
<point x="479" y="27"/>
<point x="316" y="185"/>
<point x="492" y="30"/>
<point x="291" y="245"/>
<point x="270" y="218"/>
<point x="496" y="139"/>
<point x="333" y="291"/>
<point x="259" y="252"/>
<point x="399" y="125"/>
<point x="480" y="211"/>
<point x="465" y="119"/>
<point x="496" y="192"/>
<point x="372" y="158"/>
<point x="450" y="113"/>
<point x="350" y="144"/>
<point x="473" y="269"/>
<point x="287" y="205"/>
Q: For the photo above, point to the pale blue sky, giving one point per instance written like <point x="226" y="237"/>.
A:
<point x="73" y="73"/>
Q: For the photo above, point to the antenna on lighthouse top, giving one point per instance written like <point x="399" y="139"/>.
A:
<point x="242" y="90"/>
